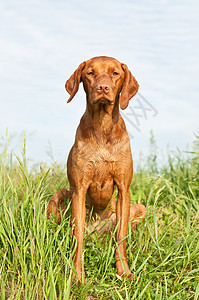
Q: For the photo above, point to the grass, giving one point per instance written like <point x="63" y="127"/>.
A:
<point x="163" y="253"/>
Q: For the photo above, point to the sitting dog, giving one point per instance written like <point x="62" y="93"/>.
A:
<point x="100" y="160"/>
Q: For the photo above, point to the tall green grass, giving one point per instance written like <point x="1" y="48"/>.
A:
<point x="163" y="253"/>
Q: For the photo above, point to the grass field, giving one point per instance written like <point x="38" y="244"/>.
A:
<point x="163" y="253"/>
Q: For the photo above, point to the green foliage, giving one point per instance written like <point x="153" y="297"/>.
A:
<point x="163" y="253"/>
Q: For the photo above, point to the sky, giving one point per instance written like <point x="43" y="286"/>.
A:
<point x="43" y="42"/>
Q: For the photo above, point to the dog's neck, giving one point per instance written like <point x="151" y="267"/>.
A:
<point x="102" y="120"/>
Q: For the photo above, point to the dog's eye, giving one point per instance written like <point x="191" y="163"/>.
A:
<point x="91" y="73"/>
<point x="115" y="73"/>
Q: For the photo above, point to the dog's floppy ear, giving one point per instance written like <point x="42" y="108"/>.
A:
<point x="129" y="88"/>
<point x="72" y="84"/>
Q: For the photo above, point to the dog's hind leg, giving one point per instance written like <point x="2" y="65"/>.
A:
<point x="137" y="214"/>
<point x="56" y="205"/>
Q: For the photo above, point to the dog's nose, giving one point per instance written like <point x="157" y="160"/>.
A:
<point x="103" y="88"/>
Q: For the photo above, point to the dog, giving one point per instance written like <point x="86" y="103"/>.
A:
<point x="100" y="160"/>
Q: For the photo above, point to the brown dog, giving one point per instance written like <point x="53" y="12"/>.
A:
<point x="100" y="159"/>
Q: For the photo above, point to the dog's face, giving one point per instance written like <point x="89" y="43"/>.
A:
<point x="104" y="78"/>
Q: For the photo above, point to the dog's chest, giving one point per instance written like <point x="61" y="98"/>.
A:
<point x="101" y="160"/>
<point x="100" y="156"/>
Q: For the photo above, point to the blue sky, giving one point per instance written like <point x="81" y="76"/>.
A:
<point x="43" y="42"/>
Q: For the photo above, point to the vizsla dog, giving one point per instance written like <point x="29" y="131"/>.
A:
<point x="100" y="160"/>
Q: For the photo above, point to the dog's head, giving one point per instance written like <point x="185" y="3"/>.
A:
<point x="104" y="80"/>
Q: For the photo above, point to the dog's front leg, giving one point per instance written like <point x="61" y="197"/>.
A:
<point x="78" y="220"/>
<point x="122" y="217"/>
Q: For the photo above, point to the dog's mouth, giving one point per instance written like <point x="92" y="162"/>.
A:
<point x="103" y="100"/>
